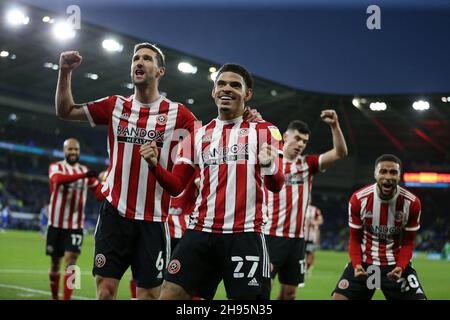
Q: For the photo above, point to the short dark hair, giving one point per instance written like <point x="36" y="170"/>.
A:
<point x="159" y="54"/>
<point x="388" y="157"/>
<point x="240" y="70"/>
<point x="300" y="126"/>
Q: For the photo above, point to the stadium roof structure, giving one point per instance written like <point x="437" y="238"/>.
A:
<point x="28" y="80"/>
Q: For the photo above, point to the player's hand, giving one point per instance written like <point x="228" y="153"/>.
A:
<point x="251" y="115"/>
<point x="267" y="155"/>
<point x="149" y="151"/>
<point x="91" y="173"/>
<point x="102" y="176"/>
<point x="69" y="60"/>
<point x="329" y="116"/>
<point x="359" y="271"/>
<point x="395" y="274"/>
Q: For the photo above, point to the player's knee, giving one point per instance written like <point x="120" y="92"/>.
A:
<point x="338" y="296"/>
<point x="70" y="259"/>
<point x="288" y="293"/>
<point x="105" y="294"/>
<point x="106" y="289"/>
<point x="55" y="265"/>
<point x="172" y="291"/>
<point x="148" y="294"/>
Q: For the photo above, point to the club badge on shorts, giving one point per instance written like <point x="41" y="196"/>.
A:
<point x="174" y="266"/>
<point x="100" y="260"/>
<point x="343" y="284"/>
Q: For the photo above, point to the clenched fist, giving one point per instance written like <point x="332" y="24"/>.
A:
<point x="69" y="60"/>
<point x="359" y="271"/>
<point x="267" y="155"/>
<point x="329" y="116"/>
<point x="149" y="151"/>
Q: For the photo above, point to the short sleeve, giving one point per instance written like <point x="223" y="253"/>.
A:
<point x="186" y="152"/>
<point x="187" y="119"/>
<point x="313" y="163"/>
<point x="268" y="133"/>
<point x="413" y="223"/>
<point x="354" y="217"/>
<point x="99" y="112"/>
<point x="53" y="169"/>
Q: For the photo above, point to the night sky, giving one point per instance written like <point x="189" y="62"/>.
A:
<point x="316" y="45"/>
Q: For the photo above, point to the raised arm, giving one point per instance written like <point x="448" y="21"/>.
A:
<point x="339" y="150"/>
<point x="66" y="108"/>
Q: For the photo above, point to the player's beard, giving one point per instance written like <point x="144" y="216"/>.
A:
<point x="145" y="82"/>
<point x="387" y="196"/>
<point x="72" y="159"/>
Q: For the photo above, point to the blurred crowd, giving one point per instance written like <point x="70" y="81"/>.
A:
<point x="25" y="194"/>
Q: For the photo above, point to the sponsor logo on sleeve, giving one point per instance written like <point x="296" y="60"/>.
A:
<point x="275" y="133"/>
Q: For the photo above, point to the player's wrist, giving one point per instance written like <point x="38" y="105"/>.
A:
<point x="65" y="71"/>
<point x="401" y="267"/>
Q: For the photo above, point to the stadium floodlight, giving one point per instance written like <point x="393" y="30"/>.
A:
<point x="50" y="65"/>
<point x="47" y="19"/>
<point x="213" y="76"/>
<point x="212" y="69"/>
<point x="12" y="117"/>
<point x="378" y="106"/>
<point x="186" y="67"/>
<point x="273" y="93"/>
<point x="444" y="99"/>
<point x="92" y="76"/>
<point x="63" y="31"/>
<point x="112" y="45"/>
<point x="421" y="105"/>
<point x="4" y="54"/>
<point x="190" y="101"/>
<point x="356" y="102"/>
<point x="16" y="17"/>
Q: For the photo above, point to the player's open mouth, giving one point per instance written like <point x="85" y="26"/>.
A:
<point x="387" y="187"/>
<point x="139" y="72"/>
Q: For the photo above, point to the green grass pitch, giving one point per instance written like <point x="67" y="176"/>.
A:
<point x="24" y="272"/>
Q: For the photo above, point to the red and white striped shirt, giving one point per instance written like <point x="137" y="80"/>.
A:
<point x="312" y="217"/>
<point x="67" y="200"/>
<point x="288" y="207"/>
<point x="129" y="185"/>
<point x="180" y="210"/>
<point x="383" y="222"/>
<point x="231" y="197"/>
